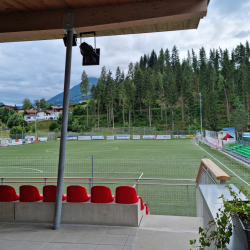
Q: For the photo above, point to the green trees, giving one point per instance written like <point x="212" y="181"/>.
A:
<point x="84" y="88"/>
<point x="4" y="115"/>
<point x="26" y="104"/>
<point x="43" y="104"/>
<point x="53" y="125"/>
<point x="240" y="116"/>
<point x="16" y="120"/>
<point x="163" y="90"/>
<point x="17" y="132"/>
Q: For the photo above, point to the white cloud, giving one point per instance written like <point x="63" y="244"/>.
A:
<point x="36" y="69"/>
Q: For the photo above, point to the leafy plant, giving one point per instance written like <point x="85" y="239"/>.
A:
<point x="220" y="235"/>
<point x="53" y="125"/>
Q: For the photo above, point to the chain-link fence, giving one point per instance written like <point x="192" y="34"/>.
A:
<point x="163" y="197"/>
<point x="139" y="131"/>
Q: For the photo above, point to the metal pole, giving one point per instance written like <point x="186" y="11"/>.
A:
<point x="22" y="135"/>
<point x="92" y="169"/>
<point x="1" y="129"/>
<point x="187" y="201"/>
<point x="61" y="165"/>
<point x="200" y="112"/>
<point x="35" y="121"/>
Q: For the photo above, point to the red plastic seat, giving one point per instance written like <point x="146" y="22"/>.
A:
<point x="29" y="193"/>
<point x="147" y="211"/>
<point x="49" y="194"/>
<point x="8" y="193"/>
<point x="126" y="195"/>
<point x="142" y="204"/>
<point x="76" y="193"/>
<point x="101" y="194"/>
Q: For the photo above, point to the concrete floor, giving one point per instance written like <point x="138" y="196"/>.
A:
<point x="155" y="232"/>
<point x="167" y="232"/>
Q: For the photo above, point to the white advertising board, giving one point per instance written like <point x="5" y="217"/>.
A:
<point x="29" y="139"/>
<point x="97" y="137"/>
<point x="71" y="137"/>
<point x="246" y="134"/>
<point x="110" y="137"/>
<point x="16" y="142"/>
<point x="163" y="137"/>
<point x="42" y="139"/>
<point x="149" y="136"/>
<point x="136" y="137"/>
<point x="6" y="142"/>
<point x="84" y="138"/>
<point x="122" y="137"/>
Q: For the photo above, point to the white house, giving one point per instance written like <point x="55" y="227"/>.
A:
<point x="32" y="115"/>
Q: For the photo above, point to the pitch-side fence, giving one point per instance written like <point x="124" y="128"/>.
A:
<point x="171" y="190"/>
<point x="103" y="131"/>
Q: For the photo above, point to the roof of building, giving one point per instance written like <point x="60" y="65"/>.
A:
<point x="56" y="107"/>
<point x="31" y="111"/>
<point x="24" y="20"/>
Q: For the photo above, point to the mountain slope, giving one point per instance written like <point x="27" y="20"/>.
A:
<point x="74" y="95"/>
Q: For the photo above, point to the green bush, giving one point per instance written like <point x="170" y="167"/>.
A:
<point x="53" y="125"/>
<point x="33" y="128"/>
<point x="16" y="132"/>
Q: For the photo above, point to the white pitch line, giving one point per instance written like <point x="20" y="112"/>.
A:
<point x="25" y="168"/>
<point x="225" y="166"/>
<point x="138" y="180"/>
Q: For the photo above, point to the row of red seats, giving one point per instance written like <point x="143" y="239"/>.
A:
<point x="75" y="193"/>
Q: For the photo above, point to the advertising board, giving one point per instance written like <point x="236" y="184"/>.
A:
<point x="229" y="134"/>
<point x="6" y="142"/>
<point x="149" y="136"/>
<point x="29" y="139"/>
<point x="97" y="137"/>
<point x="71" y="137"/>
<point x="136" y="137"/>
<point x="246" y="134"/>
<point x="123" y="137"/>
<point x="42" y="139"/>
<point x="110" y="137"/>
<point x="84" y="138"/>
<point x="190" y="136"/>
<point x="163" y="137"/>
<point x="16" y="142"/>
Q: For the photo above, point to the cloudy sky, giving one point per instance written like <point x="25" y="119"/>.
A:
<point x="36" y="69"/>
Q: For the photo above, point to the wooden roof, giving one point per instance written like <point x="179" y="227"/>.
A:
<point x="27" y="20"/>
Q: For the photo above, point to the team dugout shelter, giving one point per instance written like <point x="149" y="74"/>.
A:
<point x="32" y="20"/>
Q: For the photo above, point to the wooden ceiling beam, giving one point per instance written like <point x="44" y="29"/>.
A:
<point x="43" y="23"/>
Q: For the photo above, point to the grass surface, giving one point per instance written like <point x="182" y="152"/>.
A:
<point x="172" y="159"/>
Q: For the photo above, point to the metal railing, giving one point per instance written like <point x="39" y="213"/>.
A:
<point x="209" y="173"/>
<point x="136" y="182"/>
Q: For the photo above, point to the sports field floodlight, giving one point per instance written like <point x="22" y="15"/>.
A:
<point x="91" y="56"/>
<point x="200" y="113"/>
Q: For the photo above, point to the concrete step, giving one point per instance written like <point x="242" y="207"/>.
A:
<point x="166" y="232"/>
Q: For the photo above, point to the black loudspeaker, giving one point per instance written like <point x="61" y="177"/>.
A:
<point x="90" y="56"/>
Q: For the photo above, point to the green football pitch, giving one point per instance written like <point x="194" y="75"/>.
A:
<point x="168" y="159"/>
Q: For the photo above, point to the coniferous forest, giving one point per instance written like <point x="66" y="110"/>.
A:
<point x="162" y="90"/>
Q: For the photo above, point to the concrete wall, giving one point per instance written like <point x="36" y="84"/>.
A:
<point x="7" y="211"/>
<point x="112" y="214"/>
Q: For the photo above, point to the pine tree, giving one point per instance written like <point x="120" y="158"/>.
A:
<point x="84" y="88"/>
<point x="130" y="95"/>
<point x="152" y="60"/>
<point x="139" y="87"/>
<point x="239" y="117"/>
<point x="161" y="61"/>
<point x="171" y="94"/>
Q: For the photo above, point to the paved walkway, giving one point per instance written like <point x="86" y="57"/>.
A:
<point x="156" y="232"/>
